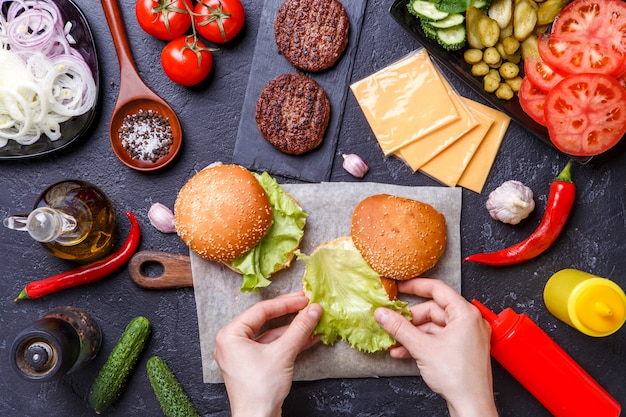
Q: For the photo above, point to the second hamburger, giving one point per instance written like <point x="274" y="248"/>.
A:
<point x="391" y="238"/>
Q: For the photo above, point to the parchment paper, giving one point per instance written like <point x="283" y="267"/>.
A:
<point x="329" y="206"/>
<point x="256" y="153"/>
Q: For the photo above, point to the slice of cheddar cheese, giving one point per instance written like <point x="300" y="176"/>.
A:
<point x="419" y="152"/>
<point x="477" y="171"/>
<point x="405" y="101"/>
<point x="448" y="166"/>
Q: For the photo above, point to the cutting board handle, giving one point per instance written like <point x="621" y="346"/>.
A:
<point x="176" y="270"/>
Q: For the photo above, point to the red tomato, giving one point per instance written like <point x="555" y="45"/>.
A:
<point x="531" y="100"/>
<point x="586" y="114"/>
<point x="186" y="60"/>
<point x="219" y="21"/>
<point x="593" y="21"/>
<point x="164" y="19"/>
<point x="541" y="74"/>
<point x="569" y="56"/>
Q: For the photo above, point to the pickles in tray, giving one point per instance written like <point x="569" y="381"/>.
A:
<point x="490" y="31"/>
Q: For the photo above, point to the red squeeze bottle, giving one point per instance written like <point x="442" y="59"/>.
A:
<point x="560" y="384"/>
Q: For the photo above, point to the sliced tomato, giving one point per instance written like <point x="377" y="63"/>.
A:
<point x="586" y="114"/>
<point x="569" y="56"/>
<point x="541" y="74"/>
<point x="600" y="22"/>
<point x="532" y="100"/>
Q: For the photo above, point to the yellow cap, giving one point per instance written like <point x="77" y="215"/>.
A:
<point x="597" y="307"/>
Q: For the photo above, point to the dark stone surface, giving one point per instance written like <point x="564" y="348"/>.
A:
<point x="593" y="240"/>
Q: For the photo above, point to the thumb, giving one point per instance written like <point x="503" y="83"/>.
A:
<point x="396" y="325"/>
<point x="299" y="332"/>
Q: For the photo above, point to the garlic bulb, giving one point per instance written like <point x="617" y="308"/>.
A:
<point x="354" y="165"/>
<point x="162" y="218"/>
<point x="511" y="202"/>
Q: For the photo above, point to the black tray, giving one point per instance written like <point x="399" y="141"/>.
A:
<point x="453" y="61"/>
<point x="76" y="127"/>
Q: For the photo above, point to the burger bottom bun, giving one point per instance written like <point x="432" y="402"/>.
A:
<point x="222" y="212"/>
<point x="400" y="238"/>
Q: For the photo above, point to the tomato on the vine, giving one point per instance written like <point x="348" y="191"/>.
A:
<point x="164" y="19"/>
<point x="586" y="114"/>
<point x="219" y="21"/>
<point x="186" y="60"/>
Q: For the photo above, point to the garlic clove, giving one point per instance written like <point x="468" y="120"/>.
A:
<point x="162" y="218"/>
<point x="355" y="165"/>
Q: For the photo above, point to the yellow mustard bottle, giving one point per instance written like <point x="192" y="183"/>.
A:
<point x="593" y="305"/>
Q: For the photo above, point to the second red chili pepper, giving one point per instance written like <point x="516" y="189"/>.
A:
<point x="558" y="208"/>
<point x="87" y="273"/>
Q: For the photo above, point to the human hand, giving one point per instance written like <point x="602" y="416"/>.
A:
<point x="258" y="369"/>
<point x="449" y="340"/>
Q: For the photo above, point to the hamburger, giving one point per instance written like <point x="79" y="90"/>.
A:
<point x="245" y="220"/>
<point x="391" y="238"/>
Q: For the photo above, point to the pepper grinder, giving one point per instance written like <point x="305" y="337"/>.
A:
<point x="60" y="342"/>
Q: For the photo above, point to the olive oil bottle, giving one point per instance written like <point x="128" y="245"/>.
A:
<point x="72" y="219"/>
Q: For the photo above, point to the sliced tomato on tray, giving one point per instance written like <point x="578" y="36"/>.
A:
<point x="542" y="75"/>
<point x="586" y="114"/>
<point x="576" y="56"/>
<point x="532" y="100"/>
<point x="594" y="22"/>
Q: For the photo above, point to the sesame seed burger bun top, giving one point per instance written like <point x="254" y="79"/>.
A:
<point x="222" y="212"/>
<point x="399" y="238"/>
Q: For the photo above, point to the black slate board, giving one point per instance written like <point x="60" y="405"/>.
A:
<point x="251" y="149"/>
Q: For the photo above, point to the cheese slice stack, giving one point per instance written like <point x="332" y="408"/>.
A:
<point x="417" y="116"/>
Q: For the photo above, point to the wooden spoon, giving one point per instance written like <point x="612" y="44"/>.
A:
<point x="134" y="95"/>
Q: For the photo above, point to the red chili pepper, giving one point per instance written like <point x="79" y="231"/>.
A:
<point x="87" y="273"/>
<point x="560" y="202"/>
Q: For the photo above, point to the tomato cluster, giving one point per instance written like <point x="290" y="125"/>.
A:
<point x="576" y="86"/>
<point x="186" y="59"/>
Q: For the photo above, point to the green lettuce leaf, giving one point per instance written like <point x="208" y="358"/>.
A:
<point x="349" y="291"/>
<point x="453" y="6"/>
<point x="278" y="245"/>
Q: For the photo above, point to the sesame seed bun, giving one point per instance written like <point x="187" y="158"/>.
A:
<point x="222" y="212"/>
<point x="399" y="238"/>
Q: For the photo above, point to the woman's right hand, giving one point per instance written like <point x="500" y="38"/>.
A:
<point x="450" y="342"/>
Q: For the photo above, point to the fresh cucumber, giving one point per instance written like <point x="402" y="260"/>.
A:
<point x="425" y="9"/>
<point x="429" y="30"/>
<point x="112" y="378"/>
<point x="452" y="19"/>
<point x="170" y="394"/>
<point x="452" y="38"/>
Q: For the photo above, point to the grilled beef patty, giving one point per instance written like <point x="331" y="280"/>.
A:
<point x="311" y="35"/>
<point x="292" y="113"/>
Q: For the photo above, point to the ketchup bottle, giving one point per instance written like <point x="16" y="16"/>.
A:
<point x="559" y="383"/>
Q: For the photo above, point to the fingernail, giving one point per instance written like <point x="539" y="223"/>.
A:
<point x="314" y="310"/>
<point x="381" y="315"/>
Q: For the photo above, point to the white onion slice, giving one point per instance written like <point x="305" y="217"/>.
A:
<point x="44" y="81"/>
